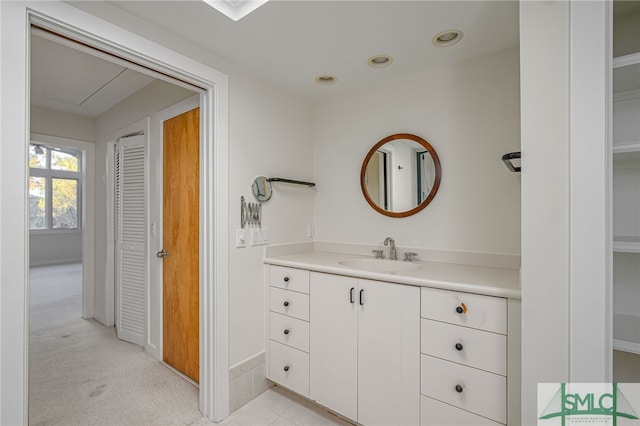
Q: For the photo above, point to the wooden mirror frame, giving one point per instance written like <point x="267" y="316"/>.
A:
<point x="436" y="183"/>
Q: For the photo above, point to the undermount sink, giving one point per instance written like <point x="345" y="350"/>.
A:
<point x="380" y="265"/>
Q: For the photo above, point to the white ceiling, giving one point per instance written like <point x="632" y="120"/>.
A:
<point x="292" y="42"/>
<point x="287" y="42"/>
<point x="66" y="79"/>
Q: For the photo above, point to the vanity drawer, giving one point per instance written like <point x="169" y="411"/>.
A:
<point x="436" y="413"/>
<point x="470" y="310"/>
<point x="289" y="279"/>
<point x="289" y="303"/>
<point x="468" y="346"/>
<point x="289" y="331"/>
<point x="481" y="393"/>
<point x="289" y="367"/>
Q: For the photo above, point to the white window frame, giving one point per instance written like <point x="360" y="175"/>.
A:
<point x="49" y="174"/>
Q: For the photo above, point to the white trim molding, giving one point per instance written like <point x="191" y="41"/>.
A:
<point x="590" y="170"/>
<point x="15" y="21"/>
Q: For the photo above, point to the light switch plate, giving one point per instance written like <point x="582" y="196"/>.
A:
<point x="241" y="240"/>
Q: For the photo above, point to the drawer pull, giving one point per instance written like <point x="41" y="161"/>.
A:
<point x="459" y="388"/>
<point x="286" y="279"/>
<point x="459" y="346"/>
<point x="286" y="331"/>
<point x="462" y="309"/>
<point x="286" y="368"/>
<point x="351" y="295"/>
<point x="286" y="303"/>
<point x="361" y="301"/>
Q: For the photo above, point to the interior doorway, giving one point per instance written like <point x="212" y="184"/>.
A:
<point x="206" y="395"/>
<point x="67" y="20"/>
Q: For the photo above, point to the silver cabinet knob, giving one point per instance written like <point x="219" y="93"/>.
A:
<point x="162" y="254"/>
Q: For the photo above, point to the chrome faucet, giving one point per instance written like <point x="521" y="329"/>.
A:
<point x="392" y="248"/>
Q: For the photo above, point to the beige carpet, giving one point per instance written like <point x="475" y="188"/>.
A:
<point x="81" y="374"/>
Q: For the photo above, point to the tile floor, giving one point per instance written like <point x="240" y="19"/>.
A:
<point x="279" y="407"/>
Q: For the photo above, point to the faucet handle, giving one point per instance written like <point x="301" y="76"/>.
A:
<point x="409" y="255"/>
<point x="379" y="254"/>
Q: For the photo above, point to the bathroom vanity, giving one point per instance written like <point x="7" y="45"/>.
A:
<point x="433" y="342"/>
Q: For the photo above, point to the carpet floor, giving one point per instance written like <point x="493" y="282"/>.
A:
<point x="81" y="374"/>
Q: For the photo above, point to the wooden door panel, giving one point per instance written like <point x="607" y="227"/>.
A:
<point x="181" y="221"/>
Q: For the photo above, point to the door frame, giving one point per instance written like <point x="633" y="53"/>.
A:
<point x="16" y="18"/>
<point x="158" y="159"/>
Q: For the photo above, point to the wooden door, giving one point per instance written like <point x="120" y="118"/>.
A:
<point x="333" y="337"/>
<point x="388" y="354"/>
<point x="181" y="221"/>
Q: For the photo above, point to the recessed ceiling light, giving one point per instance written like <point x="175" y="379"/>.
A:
<point x="326" y="79"/>
<point x="380" y="61"/>
<point x="235" y="9"/>
<point x="447" y="38"/>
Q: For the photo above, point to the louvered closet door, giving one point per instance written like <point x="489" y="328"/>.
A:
<point x="130" y="231"/>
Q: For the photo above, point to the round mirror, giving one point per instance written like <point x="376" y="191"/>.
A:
<point x="261" y="189"/>
<point x="400" y="175"/>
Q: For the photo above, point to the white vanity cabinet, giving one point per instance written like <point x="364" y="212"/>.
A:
<point x="365" y="340"/>
<point x="288" y="346"/>
<point x="464" y="358"/>
<point x="383" y="353"/>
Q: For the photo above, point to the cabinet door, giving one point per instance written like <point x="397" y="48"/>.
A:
<point x="388" y="354"/>
<point x="333" y="344"/>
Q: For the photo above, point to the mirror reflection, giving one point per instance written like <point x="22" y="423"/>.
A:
<point x="261" y="189"/>
<point x="400" y="175"/>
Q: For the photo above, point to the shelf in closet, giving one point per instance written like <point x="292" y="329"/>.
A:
<point x="626" y="74"/>
<point x="626" y="333"/>
<point x="626" y="244"/>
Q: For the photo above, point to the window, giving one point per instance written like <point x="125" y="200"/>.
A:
<point x="54" y="188"/>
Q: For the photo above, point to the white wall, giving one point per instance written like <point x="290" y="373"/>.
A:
<point x="61" y="247"/>
<point x="52" y="248"/>
<point x="142" y="104"/>
<point x="469" y="112"/>
<point x="62" y="124"/>
<point x="544" y="48"/>
<point x="269" y="134"/>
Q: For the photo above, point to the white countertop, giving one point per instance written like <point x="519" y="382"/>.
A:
<point x="492" y="281"/>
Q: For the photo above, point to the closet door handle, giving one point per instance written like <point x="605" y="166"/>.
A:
<point x="286" y="303"/>
<point x="361" y="301"/>
<point x="351" y="295"/>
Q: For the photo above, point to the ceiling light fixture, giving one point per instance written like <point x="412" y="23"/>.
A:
<point x="235" y="9"/>
<point x="326" y="79"/>
<point x="447" y="38"/>
<point x="380" y="61"/>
